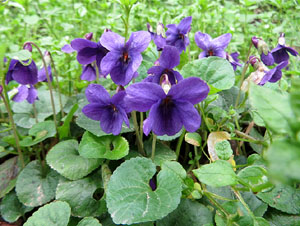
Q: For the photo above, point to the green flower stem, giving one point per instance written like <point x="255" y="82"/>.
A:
<point x="153" y="146"/>
<point x="238" y="195"/>
<point x="249" y="138"/>
<point x="200" y="109"/>
<point x="58" y="87"/>
<point x="12" y="122"/>
<point x="215" y="203"/>
<point x="35" y="112"/>
<point x="141" y="124"/>
<point x="137" y="133"/>
<point x="179" y="142"/>
<point x="49" y="84"/>
<point x="196" y="154"/>
<point x="243" y="76"/>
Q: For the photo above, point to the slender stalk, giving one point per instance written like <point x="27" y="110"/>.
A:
<point x="49" y="84"/>
<point x="238" y="195"/>
<point x="153" y="147"/>
<point x="179" y="142"/>
<point x="141" y="124"/>
<point x="196" y="154"/>
<point x="243" y="76"/>
<point x="200" y="108"/>
<point x="58" y="87"/>
<point x="35" y="112"/>
<point x="12" y="122"/>
<point x="136" y="128"/>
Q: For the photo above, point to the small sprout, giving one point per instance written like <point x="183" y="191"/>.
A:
<point x="223" y="149"/>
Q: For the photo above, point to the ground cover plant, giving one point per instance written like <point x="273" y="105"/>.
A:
<point x="149" y="113"/>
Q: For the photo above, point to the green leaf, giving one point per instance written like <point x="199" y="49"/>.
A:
<point x="278" y="218"/>
<point x="223" y="149"/>
<point x="11" y="208"/>
<point x="284" y="159"/>
<point x="36" y="186"/>
<point x="216" y="71"/>
<point x="56" y="213"/>
<point x="272" y="106"/>
<point x="175" y="167"/>
<point x="21" y="55"/>
<point x="253" y="175"/>
<point x="189" y="213"/>
<point x="259" y="221"/>
<point x="255" y="204"/>
<point x="282" y="197"/>
<point x="89" y="221"/>
<point x="94" y="126"/>
<point x="107" y="147"/>
<point x="169" y="138"/>
<point x="8" y="173"/>
<point x="162" y="152"/>
<point x="216" y="174"/>
<point x="24" y="114"/>
<point x="193" y="139"/>
<point x="64" y="130"/>
<point x="295" y="97"/>
<point x="39" y="132"/>
<point x="130" y="199"/>
<point x="79" y="195"/>
<point x="65" y="159"/>
<point x="31" y="20"/>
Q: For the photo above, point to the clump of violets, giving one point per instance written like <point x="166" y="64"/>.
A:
<point x="88" y="52"/>
<point x="281" y="52"/>
<point x="171" y="106"/>
<point x="169" y="59"/>
<point x="158" y="38"/>
<point x="110" y="111"/>
<point x="263" y="50"/>
<point x="26" y="74"/>
<point x="212" y="47"/>
<point x="177" y="34"/>
<point x="123" y="59"/>
<point x="233" y="59"/>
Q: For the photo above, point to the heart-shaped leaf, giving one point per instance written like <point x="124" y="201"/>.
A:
<point x="107" y="147"/>
<point x="8" y="173"/>
<point x="131" y="200"/>
<point x="56" y="213"/>
<point x="11" y="208"/>
<point x="39" y="132"/>
<point x="189" y="213"/>
<point x="89" y="221"/>
<point x="35" y="185"/>
<point x="24" y="114"/>
<point x="65" y="159"/>
<point x="216" y="71"/>
<point x="79" y="194"/>
<point x="216" y="174"/>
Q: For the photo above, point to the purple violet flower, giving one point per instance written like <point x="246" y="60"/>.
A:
<point x="280" y="52"/>
<point x="212" y="47"/>
<point x="88" y="51"/>
<point x="177" y="34"/>
<point x="42" y="77"/>
<point x="110" y="111"/>
<point x="233" y="59"/>
<point x="169" y="59"/>
<point x="88" y="73"/>
<point x="124" y="59"/>
<point x="24" y="75"/>
<point x="67" y="49"/>
<point x="157" y="37"/>
<point x="274" y="74"/>
<point x="26" y="92"/>
<point x="263" y="50"/>
<point x="169" y="108"/>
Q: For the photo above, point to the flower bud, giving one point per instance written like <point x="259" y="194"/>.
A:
<point x="47" y="57"/>
<point x="28" y="46"/>
<point x="88" y="36"/>
<point x="281" y="39"/>
<point x="160" y="29"/>
<point x="149" y="27"/>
